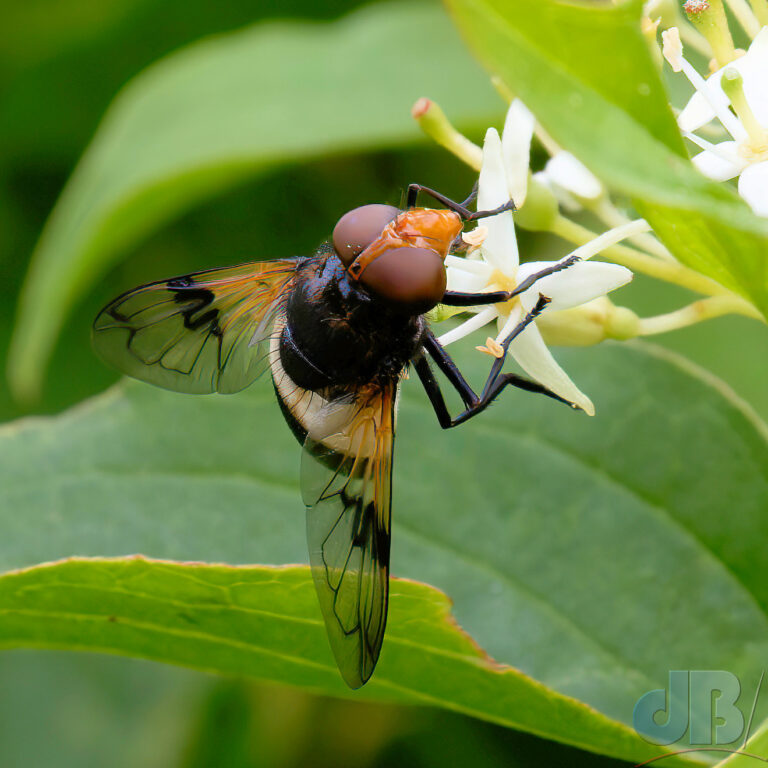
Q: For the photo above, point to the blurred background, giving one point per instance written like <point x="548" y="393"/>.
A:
<point x="61" y="63"/>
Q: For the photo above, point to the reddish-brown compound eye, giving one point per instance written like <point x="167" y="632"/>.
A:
<point x="358" y="228"/>
<point x="410" y="279"/>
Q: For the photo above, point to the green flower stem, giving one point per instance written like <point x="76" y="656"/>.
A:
<point x="609" y="214"/>
<point x="692" y="38"/>
<point x="433" y="121"/>
<point x="760" y="7"/>
<point x="703" y="309"/>
<point x="671" y="272"/>
<point x="745" y="17"/>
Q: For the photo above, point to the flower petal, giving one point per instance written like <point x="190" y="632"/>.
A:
<point x="699" y="110"/>
<point x="568" y="172"/>
<point x="516" y="149"/>
<point x="536" y="360"/>
<point x="610" y="237"/>
<point x="465" y="281"/>
<point x="564" y="198"/>
<point x="469" y="264"/>
<point x="753" y="187"/>
<point x="500" y="245"/>
<point x="492" y="188"/>
<point x="469" y="326"/>
<point x="695" y="113"/>
<point x="715" y="166"/>
<point x="574" y="285"/>
<point x="752" y="67"/>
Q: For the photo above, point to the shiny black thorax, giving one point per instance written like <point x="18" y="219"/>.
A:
<point x="337" y="334"/>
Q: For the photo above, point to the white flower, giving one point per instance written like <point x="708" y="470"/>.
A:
<point x="516" y="149"/>
<point x="753" y="67"/>
<point x="745" y="154"/>
<point x="570" y="181"/>
<point x="566" y="176"/>
<point x="499" y="268"/>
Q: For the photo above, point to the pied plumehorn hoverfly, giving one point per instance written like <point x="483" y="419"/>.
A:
<point x="337" y="330"/>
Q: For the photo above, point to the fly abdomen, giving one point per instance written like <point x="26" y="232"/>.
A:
<point x="297" y="364"/>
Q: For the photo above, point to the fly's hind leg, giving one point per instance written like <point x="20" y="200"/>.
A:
<point x="494" y="384"/>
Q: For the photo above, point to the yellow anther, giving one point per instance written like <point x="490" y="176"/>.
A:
<point x="492" y="348"/>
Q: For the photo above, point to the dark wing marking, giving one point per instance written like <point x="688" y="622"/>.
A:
<point x="199" y="333"/>
<point x="346" y="479"/>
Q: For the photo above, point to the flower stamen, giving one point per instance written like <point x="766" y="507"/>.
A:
<point x="502" y="281"/>
<point x="673" y="53"/>
<point x="475" y="238"/>
<point x="492" y="348"/>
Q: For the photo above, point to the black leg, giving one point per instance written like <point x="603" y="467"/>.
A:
<point x="498" y="364"/>
<point x="494" y="384"/>
<point x="472" y="196"/>
<point x="508" y="206"/>
<point x="460" y="208"/>
<point x="460" y="299"/>
<point x="450" y="369"/>
<point x="557" y="267"/>
<point x="495" y="390"/>
<point x="434" y="393"/>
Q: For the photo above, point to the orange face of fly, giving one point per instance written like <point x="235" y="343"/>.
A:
<point x="398" y="255"/>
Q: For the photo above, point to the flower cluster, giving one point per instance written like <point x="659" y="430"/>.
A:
<point x="497" y="265"/>
<point x="579" y="311"/>
<point x="735" y="94"/>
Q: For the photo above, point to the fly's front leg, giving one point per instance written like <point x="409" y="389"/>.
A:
<point x="462" y="299"/>
<point x="557" y="267"/>
<point x="460" y="208"/>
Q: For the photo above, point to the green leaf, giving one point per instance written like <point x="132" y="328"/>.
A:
<point x="756" y="747"/>
<point x="229" y="108"/>
<point x="586" y="71"/>
<point x="263" y="622"/>
<point x="594" y="555"/>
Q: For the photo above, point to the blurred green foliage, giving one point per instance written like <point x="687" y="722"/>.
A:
<point x="231" y="108"/>
<point x="61" y="63"/>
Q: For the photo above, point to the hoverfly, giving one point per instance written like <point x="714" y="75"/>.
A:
<point x="337" y="330"/>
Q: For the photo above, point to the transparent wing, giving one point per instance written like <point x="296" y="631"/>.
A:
<point x="199" y="333"/>
<point x="347" y="486"/>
